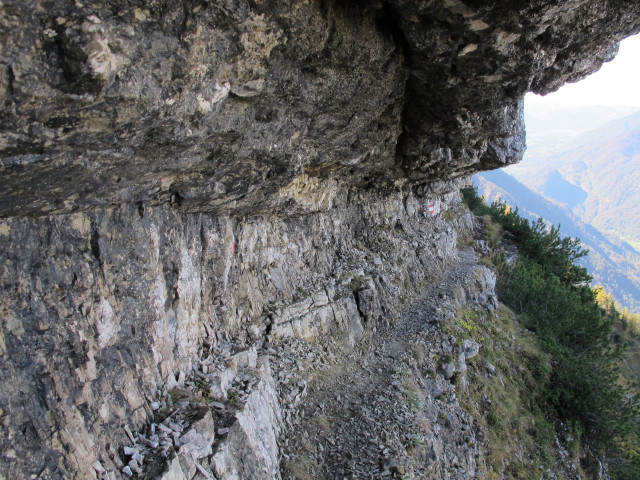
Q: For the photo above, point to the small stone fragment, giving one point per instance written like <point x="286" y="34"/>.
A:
<point x="448" y="369"/>
<point x="129" y="434"/>
<point x="97" y="466"/>
<point x="133" y="465"/>
<point x="175" y="427"/>
<point x="138" y="457"/>
<point x="491" y="368"/>
<point x="149" y="443"/>
<point x="204" y="472"/>
<point x="471" y="348"/>
<point x="164" y="428"/>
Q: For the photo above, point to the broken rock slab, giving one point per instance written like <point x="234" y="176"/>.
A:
<point x="221" y="381"/>
<point x="198" y="440"/>
<point x="250" y="449"/>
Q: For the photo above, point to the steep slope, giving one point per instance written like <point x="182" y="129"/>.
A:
<point x="420" y="404"/>
<point x="596" y="176"/>
<point x="193" y="189"/>
<point x="612" y="262"/>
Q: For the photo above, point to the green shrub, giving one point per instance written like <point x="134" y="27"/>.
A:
<point x="552" y="297"/>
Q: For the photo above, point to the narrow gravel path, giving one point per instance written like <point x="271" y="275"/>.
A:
<point x="367" y="419"/>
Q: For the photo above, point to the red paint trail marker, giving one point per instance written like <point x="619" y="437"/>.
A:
<point x="432" y="210"/>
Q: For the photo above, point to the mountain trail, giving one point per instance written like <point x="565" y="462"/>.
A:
<point x="366" y="418"/>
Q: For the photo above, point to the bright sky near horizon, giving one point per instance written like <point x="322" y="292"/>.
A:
<point x="616" y="83"/>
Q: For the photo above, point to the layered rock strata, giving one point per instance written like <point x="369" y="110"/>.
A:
<point x="182" y="181"/>
<point x="103" y="309"/>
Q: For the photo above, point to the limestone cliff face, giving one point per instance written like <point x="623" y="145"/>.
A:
<point x="185" y="180"/>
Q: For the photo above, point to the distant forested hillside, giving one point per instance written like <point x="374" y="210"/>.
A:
<point x="612" y="262"/>
<point x="595" y="175"/>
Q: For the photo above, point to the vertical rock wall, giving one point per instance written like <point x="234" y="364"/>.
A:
<point x="181" y="179"/>
<point x="101" y="309"/>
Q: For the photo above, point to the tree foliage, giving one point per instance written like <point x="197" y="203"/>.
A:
<point x="575" y="323"/>
<point x="629" y="322"/>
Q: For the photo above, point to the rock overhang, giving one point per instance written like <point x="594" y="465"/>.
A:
<point x="264" y="107"/>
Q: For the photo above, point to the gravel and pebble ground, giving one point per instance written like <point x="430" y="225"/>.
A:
<point x="391" y="412"/>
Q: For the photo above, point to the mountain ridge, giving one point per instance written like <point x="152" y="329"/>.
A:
<point x="614" y="263"/>
<point x="596" y="175"/>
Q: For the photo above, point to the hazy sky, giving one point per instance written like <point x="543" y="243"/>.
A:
<point x="616" y="83"/>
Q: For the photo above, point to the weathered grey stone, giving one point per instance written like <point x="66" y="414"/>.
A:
<point x="245" y="358"/>
<point x="368" y="302"/>
<point x="176" y="175"/>
<point x="173" y="471"/>
<point x="220" y="382"/>
<point x="448" y="369"/>
<point x="198" y="440"/>
<point x="462" y="363"/>
<point x="348" y="317"/>
<point x="320" y="299"/>
<point x="250" y="449"/>
<point x="471" y="348"/>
